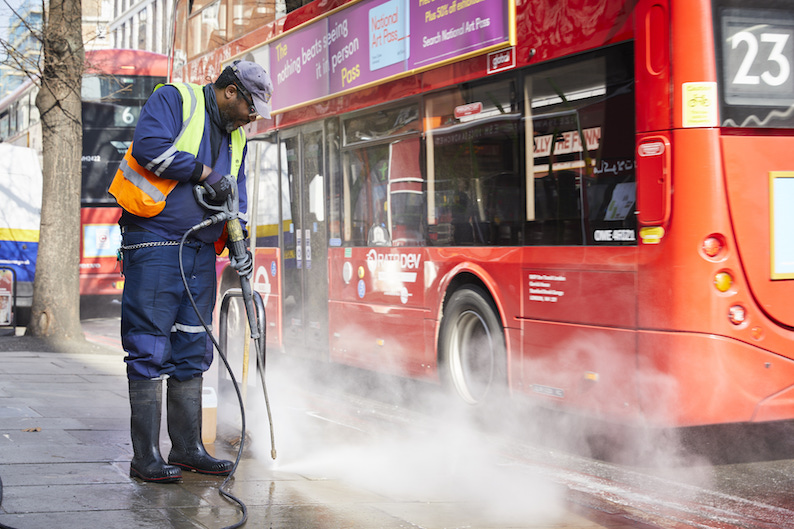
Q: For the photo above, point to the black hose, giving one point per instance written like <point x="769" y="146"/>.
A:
<point x="221" y="491"/>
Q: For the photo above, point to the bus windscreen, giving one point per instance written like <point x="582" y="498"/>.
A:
<point x="111" y="106"/>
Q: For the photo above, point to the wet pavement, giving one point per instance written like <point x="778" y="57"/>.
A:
<point x="343" y="462"/>
<point x="65" y="452"/>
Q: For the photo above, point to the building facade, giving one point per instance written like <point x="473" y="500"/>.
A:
<point x="27" y="48"/>
<point x="141" y="24"/>
<point x="22" y="38"/>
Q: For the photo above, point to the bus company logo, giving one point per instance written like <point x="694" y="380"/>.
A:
<point x="406" y="261"/>
<point x="499" y="61"/>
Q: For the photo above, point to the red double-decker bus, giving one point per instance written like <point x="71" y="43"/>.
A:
<point x="581" y="202"/>
<point x="116" y="83"/>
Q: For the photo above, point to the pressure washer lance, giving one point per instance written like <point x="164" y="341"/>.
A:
<point x="229" y="212"/>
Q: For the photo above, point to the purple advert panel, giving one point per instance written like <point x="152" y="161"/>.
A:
<point x="377" y="39"/>
<point x="297" y="62"/>
<point x="375" y="46"/>
<point x="445" y="29"/>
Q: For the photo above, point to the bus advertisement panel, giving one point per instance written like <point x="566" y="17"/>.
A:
<point x="585" y="205"/>
<point x="375" y="40"/>
<point x="115" y="86"/>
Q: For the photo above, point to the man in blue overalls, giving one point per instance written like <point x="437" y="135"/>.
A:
<point x="187" y="135"/>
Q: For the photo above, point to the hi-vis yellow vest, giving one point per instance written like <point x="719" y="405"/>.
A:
<point x="142" y="192"/>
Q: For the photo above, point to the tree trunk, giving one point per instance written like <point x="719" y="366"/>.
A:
<point x="55" y="313"/>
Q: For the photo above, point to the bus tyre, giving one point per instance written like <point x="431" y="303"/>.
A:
<point x="472" y="355"/>
<point x="236" y="319"/>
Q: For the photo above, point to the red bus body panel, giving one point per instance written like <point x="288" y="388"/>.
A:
<point x="636" y="333"/>
<point x="267" y="281"/>
<point x="697" y="378"/>
<point x="100" y="272"/>
<point x="747" y="162"/>
<point x="121" y="61"/>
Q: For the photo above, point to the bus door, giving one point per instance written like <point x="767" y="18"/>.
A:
<point x="304" y="236"/>
<point x="266" y="172"/>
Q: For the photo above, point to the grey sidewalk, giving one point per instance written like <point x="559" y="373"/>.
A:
<point x="65" y="452"/>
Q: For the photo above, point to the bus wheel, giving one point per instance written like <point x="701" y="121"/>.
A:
<point x="235" y="319"/>
<point x="472" y="347"/>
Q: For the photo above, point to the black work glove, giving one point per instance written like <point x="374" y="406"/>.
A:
<point x="218" y="188"/>
<point x="244" y="265"/>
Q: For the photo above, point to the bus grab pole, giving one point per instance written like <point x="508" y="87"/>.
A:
<point x="260" y="342"/>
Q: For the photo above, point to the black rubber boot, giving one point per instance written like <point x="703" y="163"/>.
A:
<point x="146" y="402"/>
<point x="184" y="427"/>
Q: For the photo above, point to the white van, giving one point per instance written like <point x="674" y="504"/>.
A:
<point x="20" y="216"/>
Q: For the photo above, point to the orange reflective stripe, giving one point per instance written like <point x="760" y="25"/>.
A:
<point x="138" y="190"/>
<point x="157" y="188"/>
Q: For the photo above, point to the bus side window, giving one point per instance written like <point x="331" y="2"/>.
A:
<point x="408" y="226"/>
<point x="475" y="193"/>
<point x="207" y="27"/>
<point x="558" y="210"/>
<point x="505" y="209"/>
<point x="335" y="182"/>
<point x="273" y="180"/>
<point x="581" y="165"/>
<point x="406" y="201"/>
<point x="371" y="173"/>
<point x="366" y="174"/>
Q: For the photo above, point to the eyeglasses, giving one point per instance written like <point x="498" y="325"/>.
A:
<point x="248" y="101"/>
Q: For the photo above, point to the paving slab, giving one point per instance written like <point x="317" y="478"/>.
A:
<point x="65" y="452"/>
